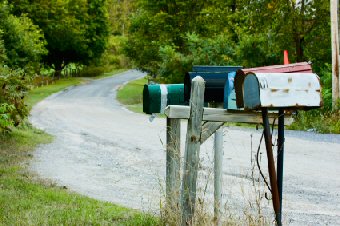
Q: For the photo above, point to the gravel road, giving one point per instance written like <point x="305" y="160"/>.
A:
<point x="104" y="151"/>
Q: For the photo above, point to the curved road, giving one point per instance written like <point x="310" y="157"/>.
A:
<point x="104" y="151"/>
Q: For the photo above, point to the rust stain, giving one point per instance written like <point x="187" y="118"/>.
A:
<point x="286" y="90"/>
<point x="274" y="90"/>
<point x="290" y="80"/>
<point x="318" y="90"/>
<point x="193" y="138"/>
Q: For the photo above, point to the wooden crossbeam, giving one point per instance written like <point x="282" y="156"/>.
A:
<point x="222" y="115"/>
<point x="208" y="129"/>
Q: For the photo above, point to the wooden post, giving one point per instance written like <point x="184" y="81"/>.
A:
<point x="335" y="52"/>
<point x="173" y="162"/>
<point x="218" y="157"/>
<point x="192" y="148"/>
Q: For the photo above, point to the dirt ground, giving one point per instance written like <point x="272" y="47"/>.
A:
<point x="104" y="151"/>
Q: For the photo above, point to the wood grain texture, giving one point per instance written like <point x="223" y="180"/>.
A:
<point x="192" y="149"/>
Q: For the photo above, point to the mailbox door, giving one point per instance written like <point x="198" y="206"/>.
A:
<point x="151" y="99"/>
<point x="229" y="92"/>
<point x="214" y="85"/>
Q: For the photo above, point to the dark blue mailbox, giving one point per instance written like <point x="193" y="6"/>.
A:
<point x="219" y="85"/>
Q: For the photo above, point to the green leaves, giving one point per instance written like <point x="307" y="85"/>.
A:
<point x="23" y="41"/>
<point x="244" y="32"/>
<point x="13" y="88"/>
<point x="76" y="31"/>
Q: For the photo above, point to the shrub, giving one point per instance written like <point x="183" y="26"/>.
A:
<point x="13" y="88"/>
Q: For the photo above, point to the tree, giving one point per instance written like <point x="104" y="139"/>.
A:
<point x="23" y="42"/>
<point x="167" y="37"/>
<point x="75" y="30"/>
<point x="256" y="31"/>
<point x="302" y="27"/>
<point x="119" y="15"/>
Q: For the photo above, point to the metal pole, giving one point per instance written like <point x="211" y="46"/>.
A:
<point x="271" y="166"/>
<point x="218" y="157"/>
<point x="280" y="156"/>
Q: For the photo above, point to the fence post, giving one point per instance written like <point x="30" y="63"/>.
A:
<point x="173" y="162"/>
<point x="192" y="148"/>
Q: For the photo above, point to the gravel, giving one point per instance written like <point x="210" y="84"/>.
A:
<point x="104" y="151"/>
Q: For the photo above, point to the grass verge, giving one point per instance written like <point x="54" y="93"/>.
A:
<point x="26" y="200"/>
<point x="131" y="95"/>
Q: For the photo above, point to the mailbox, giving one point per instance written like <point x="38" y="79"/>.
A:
<point x="281" y="90"/>
<point x="215" y="78"/>
<point x="156" y="97"/>
<point x="229" y="101"/>
<point x="303" y="67"/>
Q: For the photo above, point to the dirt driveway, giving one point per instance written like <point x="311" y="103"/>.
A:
<point x="106" y="152"/>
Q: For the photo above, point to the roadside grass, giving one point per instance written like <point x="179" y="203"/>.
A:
<point x="317" y="121"/>
<point x="28" y="200"/>
<point x="131" y="95"/>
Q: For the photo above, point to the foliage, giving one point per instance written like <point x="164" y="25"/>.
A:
<point x="113" y="55"/>
<point x="13" y="88"/>
<point x="254" y="33"/>
<point x="302" y="27"/>
<point x="75" y="30"/>
<point x="5" y="116"/>
<point x="119" y="13"/>
<point x="22" y="42"/>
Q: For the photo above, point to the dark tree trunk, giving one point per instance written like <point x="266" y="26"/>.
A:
<point x="299" y="48"/>
<point x="58" y="70"/>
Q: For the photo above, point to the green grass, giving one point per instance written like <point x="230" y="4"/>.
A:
<point x="319" y="121"/>
<point x="28" y="200"/>
<point x="131" y="95"/>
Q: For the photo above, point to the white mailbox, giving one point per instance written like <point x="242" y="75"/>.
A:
<point x="281" y="90"/>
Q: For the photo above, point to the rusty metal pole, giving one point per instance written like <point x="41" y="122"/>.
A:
<point x="280" y="155"/>
<point x="271" y="166"/>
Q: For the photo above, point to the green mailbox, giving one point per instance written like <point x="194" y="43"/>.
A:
<point x="157" y="96"/>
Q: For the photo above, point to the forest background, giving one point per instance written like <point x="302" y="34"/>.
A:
<point x="47" y="39"/>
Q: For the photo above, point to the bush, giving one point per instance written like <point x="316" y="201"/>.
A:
<point x="323" y="120"/>
<point x="13" y="88"/>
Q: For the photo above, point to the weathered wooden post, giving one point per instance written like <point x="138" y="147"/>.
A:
<point x="192" y="148"/>
<point x="173" y="162"/>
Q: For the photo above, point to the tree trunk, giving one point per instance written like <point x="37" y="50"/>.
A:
<point x="58" y="69"/>
<point x="299" y="48"/>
